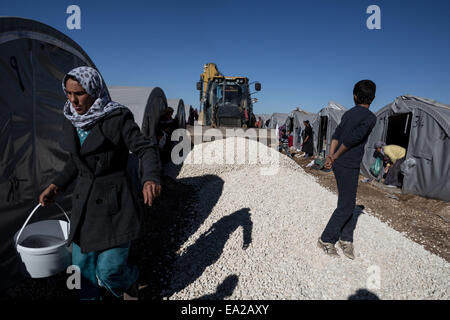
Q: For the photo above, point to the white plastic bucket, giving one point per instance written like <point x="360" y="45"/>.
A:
<point x="42" y="246"/>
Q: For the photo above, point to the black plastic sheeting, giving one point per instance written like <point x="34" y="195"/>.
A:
<point x="179" y="112"/>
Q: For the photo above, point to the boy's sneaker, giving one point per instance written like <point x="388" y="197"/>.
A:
<point x="347" y="249"/>
<point x="328" y="248"/>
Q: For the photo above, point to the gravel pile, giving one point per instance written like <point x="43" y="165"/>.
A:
<point x="258" y="241"/>
<point x="232" y="154"/>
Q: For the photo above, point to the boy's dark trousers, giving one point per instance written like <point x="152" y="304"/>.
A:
<point x="343" y="222"/>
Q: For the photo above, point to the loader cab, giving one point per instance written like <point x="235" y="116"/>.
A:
<point x="227" y="101"/>
<point x="229" y="98"/>
<point x="233" y="94"/>
<point x="228" y="91"/>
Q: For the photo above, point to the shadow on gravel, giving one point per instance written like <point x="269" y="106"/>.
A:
<point x="363" y="294"/>
<point x="173" y="218"/>
<point x="359" y="210"/>
<point x="209" y="247"/>
<point x="224" y="290"/>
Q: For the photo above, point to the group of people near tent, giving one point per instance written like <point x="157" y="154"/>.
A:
<point x="387" y="163"/>
<point x="286" y="140"/>
<point x="417" y="128"/>
<point x="167" y="124"/>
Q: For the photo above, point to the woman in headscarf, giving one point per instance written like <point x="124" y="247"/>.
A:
<point x="307" y="146"/>
<point x="106" y="215"/>
<point x="394" y="156"/>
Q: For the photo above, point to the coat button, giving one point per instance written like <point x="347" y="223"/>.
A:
<point x="98" y="201"/>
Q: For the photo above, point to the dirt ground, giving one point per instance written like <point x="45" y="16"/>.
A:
<point x="425" y="221"/>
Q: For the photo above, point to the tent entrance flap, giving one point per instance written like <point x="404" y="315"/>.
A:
<point x="290" y="125"/>
<point x="322" y="135"/>
<point x="399" y="128"/>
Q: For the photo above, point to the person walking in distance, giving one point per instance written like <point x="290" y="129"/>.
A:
<point x="308" y="145"/>
<point x="346" y="152"/>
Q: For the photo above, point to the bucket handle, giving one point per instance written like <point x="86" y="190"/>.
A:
<point x="31" y="214"/>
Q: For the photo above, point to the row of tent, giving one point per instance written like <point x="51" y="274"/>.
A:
<point x="34" y="58"/>
<point x="147" y="105"/>
<point x="420" y="125"/>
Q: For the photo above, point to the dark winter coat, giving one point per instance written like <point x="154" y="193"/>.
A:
<point x="105" y="209"/>
<point x="308" y="147"/>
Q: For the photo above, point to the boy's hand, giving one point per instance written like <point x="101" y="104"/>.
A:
<point x="329" y="162"/>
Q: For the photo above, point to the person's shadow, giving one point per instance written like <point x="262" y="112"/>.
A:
<point x="359" y="210"/>
<point x="363" y="294"/>
<point x="208" y="249"/>
<point x="224" y="290"/>
<point x="353" y="219"/>
<point x="176" y="215"/>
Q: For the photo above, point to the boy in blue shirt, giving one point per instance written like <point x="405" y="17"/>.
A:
<point x="346" y="152"/>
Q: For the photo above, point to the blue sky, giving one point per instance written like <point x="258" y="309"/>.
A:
<point x="304" y="53"/>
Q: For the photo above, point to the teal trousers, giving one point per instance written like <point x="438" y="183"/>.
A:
<point x="107" y="268"/>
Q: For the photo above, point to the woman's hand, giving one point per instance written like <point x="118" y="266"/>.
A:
<point x="48" y="195"/>
<point x="150" y="190"/>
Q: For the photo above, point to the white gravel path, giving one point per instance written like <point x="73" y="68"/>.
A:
<point x="288" y="212"/>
